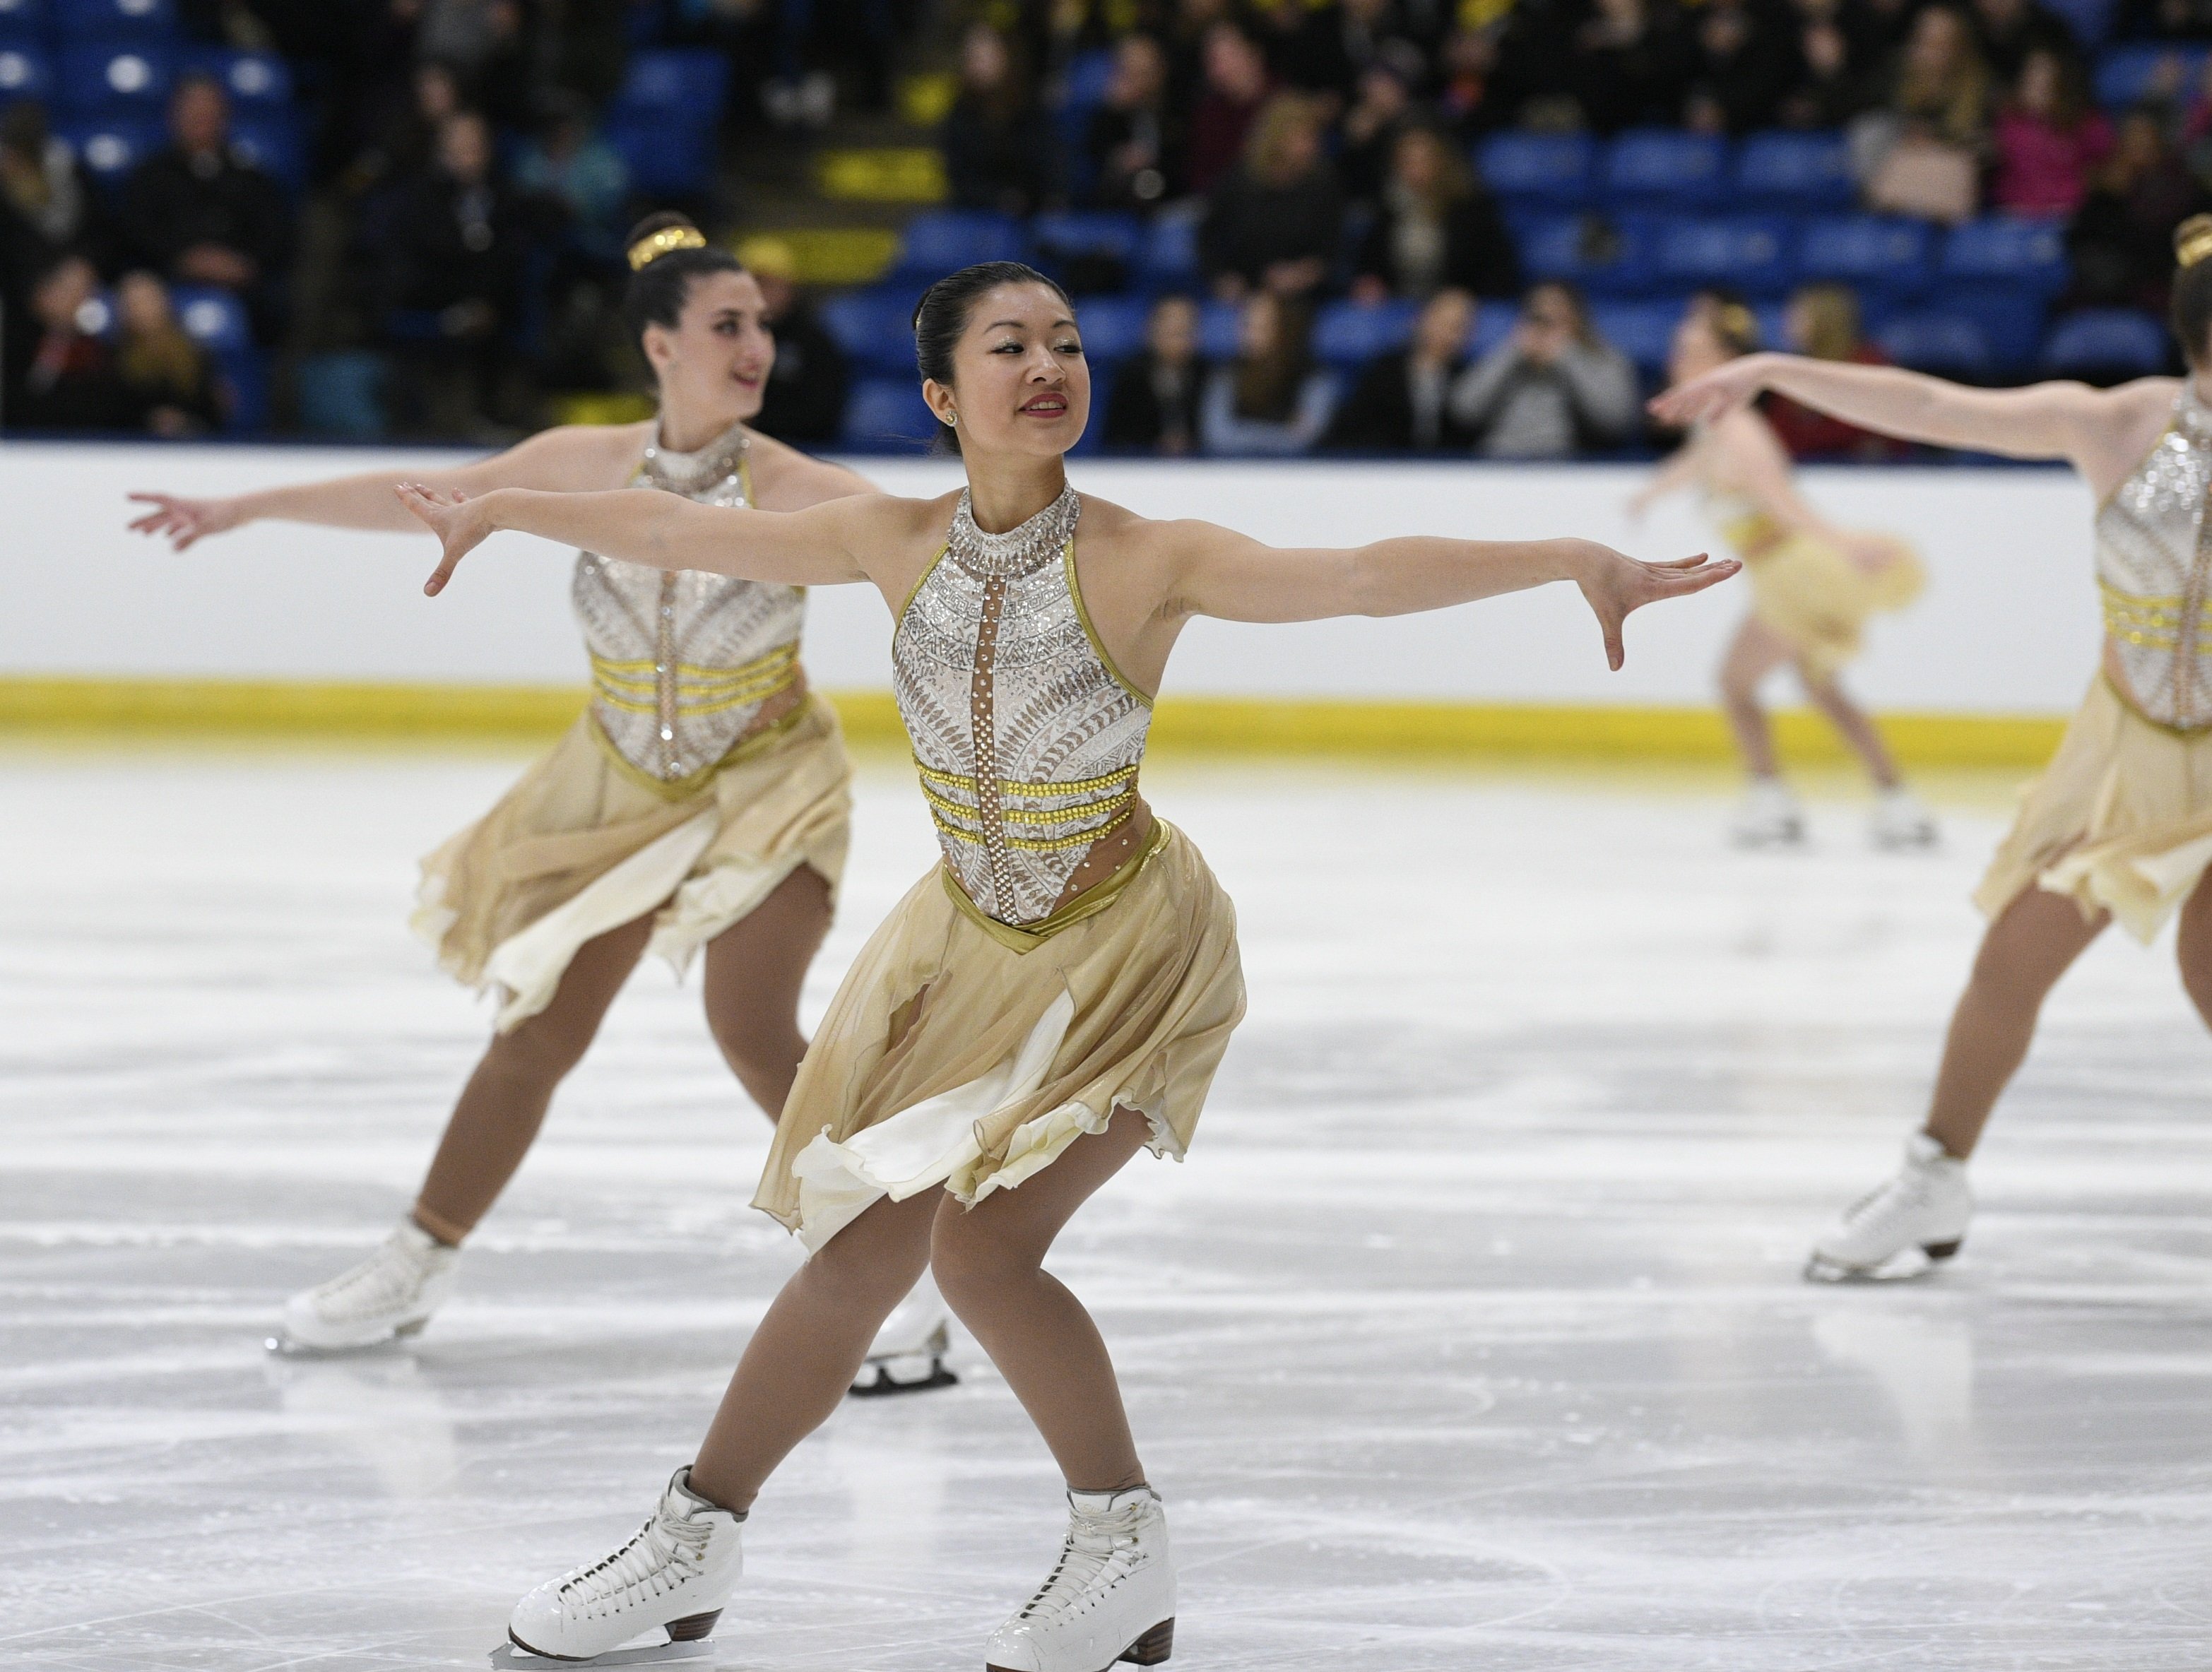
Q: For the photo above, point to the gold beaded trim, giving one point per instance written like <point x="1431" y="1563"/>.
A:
<point x="1031" y="815"/>
<point x="654" y="246"/>
<point x="700" y="690"/>
<point x="1043" y="845"/>
<point x="1014" y="787"/>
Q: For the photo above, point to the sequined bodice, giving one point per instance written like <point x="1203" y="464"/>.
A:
<point x="683" y="663"/>
<point x="2155" y="570"/>
<point x="1027" y="738"/>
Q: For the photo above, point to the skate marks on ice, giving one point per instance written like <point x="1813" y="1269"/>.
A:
<point x="1471" y="1335"/>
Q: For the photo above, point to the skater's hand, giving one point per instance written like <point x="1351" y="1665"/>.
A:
<point x="182" y="521"/>
<point x="460" y="524"/>
<point x="1714" y="395"/>
<point x="1615" y="586"/>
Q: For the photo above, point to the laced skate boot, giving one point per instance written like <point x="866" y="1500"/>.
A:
<point x="1768" y="817"/>
<point x="669" y="1582"/>
<point x="1110" y="1597"/>
<point x="908" y="1355"/>
<point x="1900" y="822"/>
<point x="391" y="1293"/>
<point x="1925" y="1206"/>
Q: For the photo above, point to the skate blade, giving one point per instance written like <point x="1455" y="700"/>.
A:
<point x="1906" y="1266"/>
<point x="882" y="1384"/>
<point x="290" y="1346"/>
<point x="660" y="1654"/>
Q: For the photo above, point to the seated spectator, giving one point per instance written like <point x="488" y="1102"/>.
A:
<point x="400" y="126"/>
<point x="1154" y="405"/>
<point x="1236" y="85"/>
<point x="1276" y="223"/>
<point x="169" y="377"/>
<point x="1370" y="131"/>
<point x="1739" y="63"/>
<point x="1921" y="153"/>
<point x="807" y="385"/>
<point x="1552" y="389"/>
<point x="1823" y="324"/>
<point x="1630" y="66"/>
<point x="2007" y="32"/>
<point x="69" y="379"/>
<point x="1827" y="84"/>
<point x="2048" y="140"/>
<point x="1270" y="399"/>
<point x="1439" y="227"/>
<point x="198" y="213"/>
<point x="1402" y="402"/>
<point x="488" y="43"/>
<point x="1000" y="151"/>
<point x="2120" y="246"/>
<point x="1467" y="95"/>
<point x="570" y="164"/>
<point x="42" y="205"/>
<point x="1134" y="138"/>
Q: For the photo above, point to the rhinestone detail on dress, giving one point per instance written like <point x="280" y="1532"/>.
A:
<point x="2154" y="571"/>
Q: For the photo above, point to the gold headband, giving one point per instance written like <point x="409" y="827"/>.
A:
<point x="2196" y="242"/>
<point x="1738" y="321"/>
<point x="655" y="245"/>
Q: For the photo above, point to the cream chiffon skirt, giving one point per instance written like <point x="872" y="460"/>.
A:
<point x="2120" y="821"/>
<point x="1816" y="599"/>
<point x="584" y="843"/>
<point x="956" y="1056"/>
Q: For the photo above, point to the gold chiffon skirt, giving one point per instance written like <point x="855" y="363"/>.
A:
<point x="584" y="843"/>
<point x="1817" y="599"/>
<point x="960" y="1058"/>
<point x="2120" y="821"/>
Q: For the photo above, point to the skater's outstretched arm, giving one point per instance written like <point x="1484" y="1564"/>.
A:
<point x="2102" y="433"/>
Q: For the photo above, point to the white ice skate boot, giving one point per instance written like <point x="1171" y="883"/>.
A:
<point x="1900" y="822"/>
<point x="666" y="1584"/>
<point x="393" y="1292"/>
<point x="1110" y="1597"/>
<point x="1768" y="817"/>
<point x="908" y="1355"/>
<point x="1925" y="1206"/>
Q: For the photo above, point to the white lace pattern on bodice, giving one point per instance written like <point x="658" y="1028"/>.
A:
<point x="2154" y="571"/>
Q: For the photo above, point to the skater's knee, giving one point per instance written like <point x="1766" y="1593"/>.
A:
<point x="762" y="1052"/>
<point x="974" y="1267"/>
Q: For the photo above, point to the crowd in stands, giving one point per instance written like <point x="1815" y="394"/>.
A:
<point x="1441" y="226"/>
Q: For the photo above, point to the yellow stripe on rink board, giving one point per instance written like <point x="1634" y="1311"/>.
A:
<point x="1242" y="725"/>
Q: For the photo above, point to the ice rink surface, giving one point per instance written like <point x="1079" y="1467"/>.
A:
<point x="1469" y="1337"/>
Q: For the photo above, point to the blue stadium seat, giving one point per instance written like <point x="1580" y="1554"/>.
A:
<point x="1170" y="257"/>
<point x="884" y="411"/>
<point x="1599" y="255"/>
<point x="1796" y="173"/>
<point x="110" y="147"/>
<point x="1745" y="253"/>
<point x="1113" y="330"/>
<point x="1088" y="250"/>
<point x="2013" y="248"/>
<point x="874" y="328"/>
<point x="1085" y="87"/>
<point x="1644" y="331"/>
<point x="23" y="21"/>
<point x="151" y="20"/>
<point x="1217" y="329"/>
<point x="1660" y="168"/>
<point x="1945" y="343"/>
<point x="2011" y="316"/>
<point x="2107" y="345"/>
<point x="2090" y="20"/>
<point x="1878" y="253"/>
<point x="666" y="157"/>
<point x="25" y="73"/>
<point x="251" y="79"/>
<point x="1493" y="324"/>
<point x="1773" y="319"/>
<point x="683" y="84"/>
<point x="213" y="318"/>
<point x="2126" y="75"/>
<point x="270" y="140"/>
<point x="1554" y="171"/>
<point x="944" y="241"/>
<point x="1349" y="334"/>
<point x="107" y="77"/>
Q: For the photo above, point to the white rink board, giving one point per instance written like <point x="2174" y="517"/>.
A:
<point x="2008" y="626"/>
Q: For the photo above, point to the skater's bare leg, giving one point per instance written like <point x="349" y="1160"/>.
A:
<point x="2032" y="943"/>
<point x="989" y="1262"/>
<point x="809" y="1347"/>
<point x="1854" y="724"/>
<point x="1755" y="652"/>
<point x="754" y="969"/>
<point x="504" y="1103"/>
<point x="2193" y="947"/>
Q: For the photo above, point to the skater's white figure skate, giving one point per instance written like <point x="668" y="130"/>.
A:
<point x="908" y="1355"/>
<point x="1926" y="1205"/>
<point x="1110" y="1597"/>
<point x="1900" y="822"/>
<point x="391" y="1293"/>
<point x="668" y="1582"/>
<point x="1768" y="816"/>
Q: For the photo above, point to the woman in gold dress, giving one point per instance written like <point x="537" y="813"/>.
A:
<point x="1052" y="998"/>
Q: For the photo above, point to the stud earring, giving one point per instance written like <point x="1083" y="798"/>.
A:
<point x="952" y="419"/>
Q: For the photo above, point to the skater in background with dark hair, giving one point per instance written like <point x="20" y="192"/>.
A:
<point x="2120" y="824"/>
<point x="1051" y="999"/>
<point x="700" y="805"/>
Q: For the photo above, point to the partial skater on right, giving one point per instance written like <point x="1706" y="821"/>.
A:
<point x="2120" y="824"/>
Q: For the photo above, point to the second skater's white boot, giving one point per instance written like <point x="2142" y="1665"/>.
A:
<point x="1768" y="817"/>
<point x="908" y="1355"/>
<point x="1926" y="1205"/>
<point x="1900" y="822"/>
<point x="391" y="1293"/>
<point x="1110" y="1597"/>
<point x="666" y="1584"/>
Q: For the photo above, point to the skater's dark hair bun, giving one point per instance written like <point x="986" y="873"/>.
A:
<point x="2190" y="311"/>
<point x="941" y="319"/>
<point x="666" y="252"/>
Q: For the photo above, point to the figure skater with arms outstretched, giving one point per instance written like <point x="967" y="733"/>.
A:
<point x="1050" y="1000"/>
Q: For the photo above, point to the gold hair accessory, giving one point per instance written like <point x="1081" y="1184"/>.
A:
<point x="2192" y="239"/>
<point x="655" y="245"/>
<point x="1738" y="322"/>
